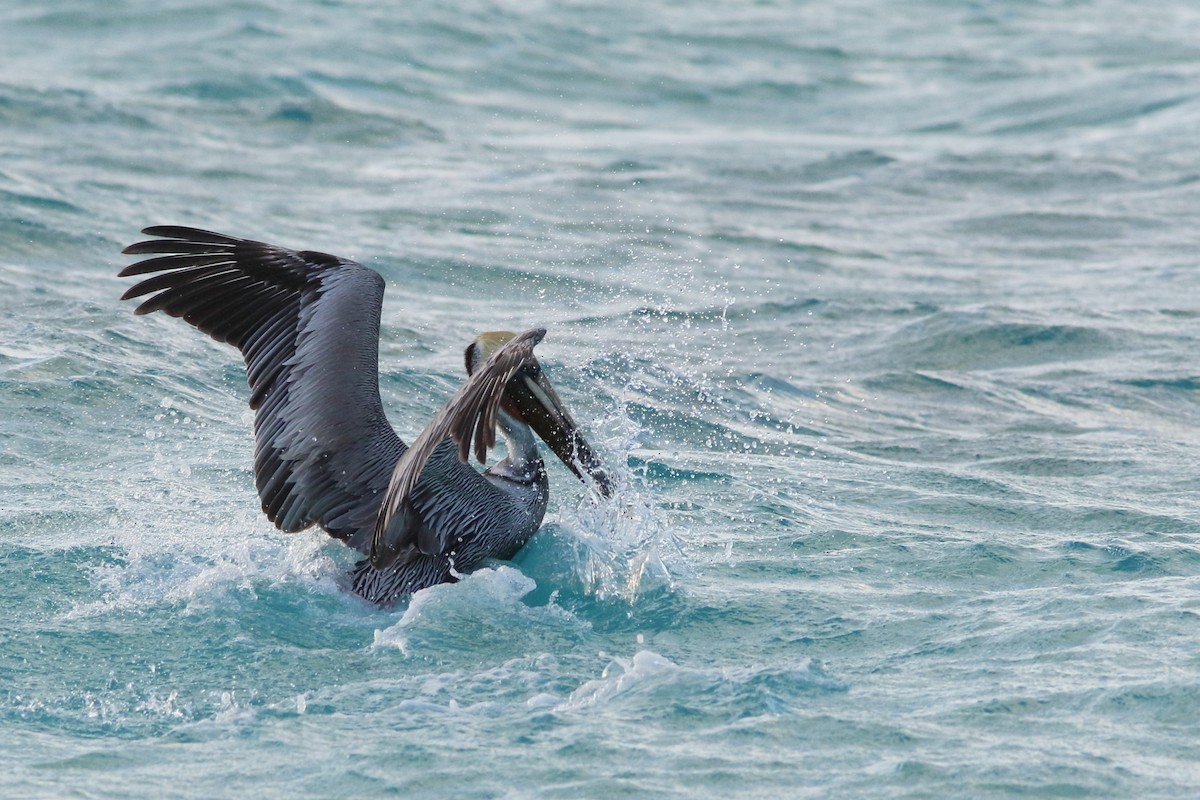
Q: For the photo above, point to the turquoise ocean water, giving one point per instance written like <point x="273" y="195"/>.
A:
<point x="886" y="315"/>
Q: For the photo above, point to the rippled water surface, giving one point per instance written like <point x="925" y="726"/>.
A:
<point x="885" y="314"/>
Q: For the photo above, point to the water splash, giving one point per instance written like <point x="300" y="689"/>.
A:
<point x="486" y="610"/>
<point x="620" y="548"/>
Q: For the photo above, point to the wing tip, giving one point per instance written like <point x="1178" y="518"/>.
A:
<point x="189" y="234"/>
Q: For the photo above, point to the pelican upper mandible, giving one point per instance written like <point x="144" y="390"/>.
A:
<point x="307" y="324"/>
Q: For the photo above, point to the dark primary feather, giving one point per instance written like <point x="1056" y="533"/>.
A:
<point x="307" y="324"/>
<point x="469" y="416"/>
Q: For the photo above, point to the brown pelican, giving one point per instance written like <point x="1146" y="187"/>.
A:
<point x="307" y="324"/>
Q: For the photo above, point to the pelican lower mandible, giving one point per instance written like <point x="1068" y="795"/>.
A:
<point x="307" y="325"/>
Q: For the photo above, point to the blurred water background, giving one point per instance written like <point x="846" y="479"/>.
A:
<point x="887" y="312"/>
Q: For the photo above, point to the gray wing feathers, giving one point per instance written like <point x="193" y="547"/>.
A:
<point x="469" y="416"/>
<point x="307" y="324"/>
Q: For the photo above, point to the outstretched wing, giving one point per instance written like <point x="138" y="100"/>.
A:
<point x="468" y="417"/>
<point x="307" y="324"/>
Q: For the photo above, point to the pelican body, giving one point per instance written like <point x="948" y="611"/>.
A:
<point x="307" y="324"/>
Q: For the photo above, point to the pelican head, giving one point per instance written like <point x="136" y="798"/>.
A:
<point x="530" y="402"/>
